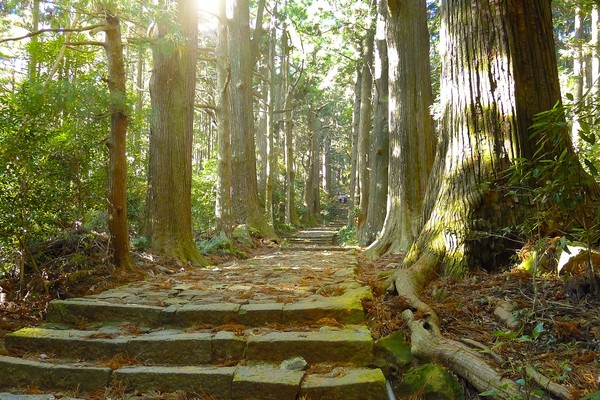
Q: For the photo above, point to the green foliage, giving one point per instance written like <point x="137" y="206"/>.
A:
<point x="347" y="236"/>
<point x="203" y="196"/>
<point x="551" y="180"/>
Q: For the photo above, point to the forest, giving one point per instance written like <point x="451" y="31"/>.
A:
<point x="453" y="138"/>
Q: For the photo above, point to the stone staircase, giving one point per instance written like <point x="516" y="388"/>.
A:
<point x="288" y="325"/>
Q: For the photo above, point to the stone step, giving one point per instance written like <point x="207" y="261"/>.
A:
<point x="22" y="373"/>
<point x="350" y="346"/>
<point x="326" y="248"/>
<point x="345" y="309"/>
<point x="263" y="381"/>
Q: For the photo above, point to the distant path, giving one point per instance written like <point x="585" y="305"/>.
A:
<point x="276" y="326"/>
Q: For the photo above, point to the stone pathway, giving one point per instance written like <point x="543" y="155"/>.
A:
<point x="288" y="325"/>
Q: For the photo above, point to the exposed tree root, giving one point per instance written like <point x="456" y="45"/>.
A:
<point x="555" y="389"/>
<point x="427" y="342"/>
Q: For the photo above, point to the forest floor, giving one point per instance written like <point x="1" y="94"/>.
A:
<point x="559" y="336"/>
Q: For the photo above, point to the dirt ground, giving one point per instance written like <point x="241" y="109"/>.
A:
<point x="559" y="336"/>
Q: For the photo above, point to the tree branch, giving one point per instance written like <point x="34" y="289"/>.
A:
<point x="57" y="30"/>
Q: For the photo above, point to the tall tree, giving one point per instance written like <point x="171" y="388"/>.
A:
<point x="498" y="72"/>
<point x="379" y="157"/>
<point x="223" y="208"/>
<point x="245" y="203"/>
<point x="172" y="92"/>
<point x="412" y="135"/>
<point x="364" y="130"/>
<point x="117" y="196"/>
<point x="354" y="147"/>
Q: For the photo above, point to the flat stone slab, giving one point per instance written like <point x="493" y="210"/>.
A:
<point x="172" y="349"/>
<point x="84" y="345"/>
<point x="260" y="314"/>
<point x="348" y="346"/>
<point x="266" y="383"/>
<point x="18" y="372"/>
<point x="345" y="309"/>
<point x="346" y="384"/>
<point x="215" y="381"/>
<point x="81" y="310"/>
<point x="204" y="314"/>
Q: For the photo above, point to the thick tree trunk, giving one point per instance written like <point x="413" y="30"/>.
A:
<point x="117" y="183"/>
<point x="172" y="89"/>
<point x="378" y="190"/>
<point x="498" y="72"/>
<point x="412" y="133"/>
<point x="354" y="151"/>
<point x="223" y="212"/>
<point x="246" y="207"/>
<point x="364" y="132"/>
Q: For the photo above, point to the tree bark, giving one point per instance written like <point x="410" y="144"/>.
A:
<point x="364" y="132"/>
<point x="578" y="72"/>
<point x="172" y="92"/>
<point x="354" y="151"/>
<point x="117" y="184"/>
<point x="412" y="133"/>
<point x="271" y="160"/>
<point x="312" y="196"/>
<point x="379" y="157"/>
<point x="498" y="72"/>
<point x="246" y="206"/>
<point x="223" y="211"/>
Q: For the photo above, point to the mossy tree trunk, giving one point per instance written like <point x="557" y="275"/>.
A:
<point x="412" y="135"/>
<point x="498" y="72"/>
<point x="117" y="185"/>
<point x="381" y="135"/>
<point x="364" y="132"/>
<point x="223" y="210"/>
<point x="245" y="203"/>
<point x="172" y="93"/>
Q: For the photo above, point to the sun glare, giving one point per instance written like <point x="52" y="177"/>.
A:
<point x="209" y="6"/>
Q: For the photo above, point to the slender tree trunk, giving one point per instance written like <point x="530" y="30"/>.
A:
<point x="578" y="72"/>
<point x="354" y="151"/>
<point x="271" y="154"/>
<point x="412" y="136"/>
<point x="223" y="212"/>
<point x="378" y="190"/>
<point x="246" y="207"/>
<point x="311" y="188"/>
<point x="32" y="67"/>
<point x="139" y="107"/>
<point x="117" y="184"/>
<point x="172" y="91"/>
<point x="326" y="172"/>
<point x="594" y="43"/>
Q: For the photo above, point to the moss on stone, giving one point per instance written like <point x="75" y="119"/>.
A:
<point x="430" y="382"/>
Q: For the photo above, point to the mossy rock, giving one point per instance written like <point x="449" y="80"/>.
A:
<point x="241" y="233"/>
<point x="430" y="382"/>
<point x="394" y="349"/>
